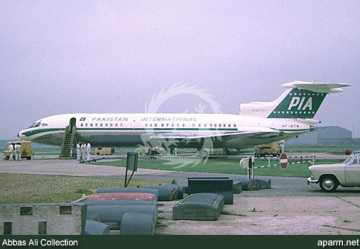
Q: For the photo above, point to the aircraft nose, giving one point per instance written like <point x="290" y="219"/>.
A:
<point x="21" y="135"/>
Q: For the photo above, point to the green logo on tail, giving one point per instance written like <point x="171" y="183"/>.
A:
<point x="298" y="104"/>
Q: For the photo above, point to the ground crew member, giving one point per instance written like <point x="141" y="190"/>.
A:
<point x="18" y="152"/>
<point x="88" y="149"/>
<point x="11" y="151"/>
<point x="282" y="147"/>
<point x="83" y="150"/>
<point x="78" y="155"/>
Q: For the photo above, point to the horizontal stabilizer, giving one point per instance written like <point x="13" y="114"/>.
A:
<point x="316" y="87"/>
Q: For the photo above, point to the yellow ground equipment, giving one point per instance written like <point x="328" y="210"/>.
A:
<point x="141" y="150"/>
<point x="104" y="151"/>
<point x="26" y="151"/>
<point x="270" y="149"/>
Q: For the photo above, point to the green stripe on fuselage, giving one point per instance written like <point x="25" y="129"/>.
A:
<point x="38" y="131"/>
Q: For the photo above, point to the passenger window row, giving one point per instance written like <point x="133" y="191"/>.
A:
<point x="160" y="125"/>
<point x="101" y="125"/>
<point x="193" y="125"/>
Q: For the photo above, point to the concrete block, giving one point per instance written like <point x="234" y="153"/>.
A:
<point x="166" y="192"/>
<point x="121" y="202"/>
<point x="237" y="187"/>
<point x="122" y="196"/>
<point x="128" y="190"/>
<point x="264" y="183"/>
<point x="212" y="185"/>
<point x="96" y="228"/>
<point x="43" y="218"/>
<point x="208" y="177"/>
<point x="200" y="206"/>
<point x="250" y="184"/>
<point x="115" y="213"/>
<point x="181" y="190"/>
<point x="137" y="224"/>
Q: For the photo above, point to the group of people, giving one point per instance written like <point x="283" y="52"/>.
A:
<point x="83" y="150"/>
<point x="15" y="148"/>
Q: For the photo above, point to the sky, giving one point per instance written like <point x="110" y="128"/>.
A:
<point x="90" y="56"/>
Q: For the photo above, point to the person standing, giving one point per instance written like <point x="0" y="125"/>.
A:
<point x="78" y="146"/>
<point x="18" y="152"/>
<point x="88" y="149"/>
<point x="282" y="147"/>
<point x="83" y="150"/>
<point x="11" y="151"/>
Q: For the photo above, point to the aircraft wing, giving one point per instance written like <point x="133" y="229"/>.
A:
<point x="247" y="134"/>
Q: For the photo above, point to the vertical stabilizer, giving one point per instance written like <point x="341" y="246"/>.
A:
<point x="300" y="100"/>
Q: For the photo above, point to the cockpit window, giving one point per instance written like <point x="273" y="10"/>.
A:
<point x="44" y="124"/>
<point x="37" y="124"/>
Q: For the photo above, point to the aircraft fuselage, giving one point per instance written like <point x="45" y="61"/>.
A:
<point x="138" y="129"/>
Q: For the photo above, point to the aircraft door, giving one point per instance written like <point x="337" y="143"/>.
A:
<point x="72" y="124"/>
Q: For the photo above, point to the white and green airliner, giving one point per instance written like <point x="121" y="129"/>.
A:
<point x="258" y="123"/>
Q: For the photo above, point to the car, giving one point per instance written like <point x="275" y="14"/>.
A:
<point x="330" y="176"/>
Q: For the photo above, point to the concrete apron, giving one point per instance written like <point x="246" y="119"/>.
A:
<point x="299" y="215"/>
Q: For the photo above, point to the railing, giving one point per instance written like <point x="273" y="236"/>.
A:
<point x="291" y="160"/>
<point x="67" y="143"/>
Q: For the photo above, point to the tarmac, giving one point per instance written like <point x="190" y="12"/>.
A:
<point x="290" y="207"/>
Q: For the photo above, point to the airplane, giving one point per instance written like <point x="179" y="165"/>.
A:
<point x="289" y="116"/>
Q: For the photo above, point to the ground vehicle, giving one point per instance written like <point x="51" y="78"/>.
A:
<point x="141" y="150"/>
<point x="330" y="176"/>
<point x="104" y="151"/>
<point x="269" y="149"/>
<point x="157" y="151"/>
<point x="26" y="150"/>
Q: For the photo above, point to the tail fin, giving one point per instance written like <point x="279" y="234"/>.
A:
<point x="300" y="100"/>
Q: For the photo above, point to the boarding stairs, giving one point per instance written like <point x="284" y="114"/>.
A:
<point x="69" y="140"/>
